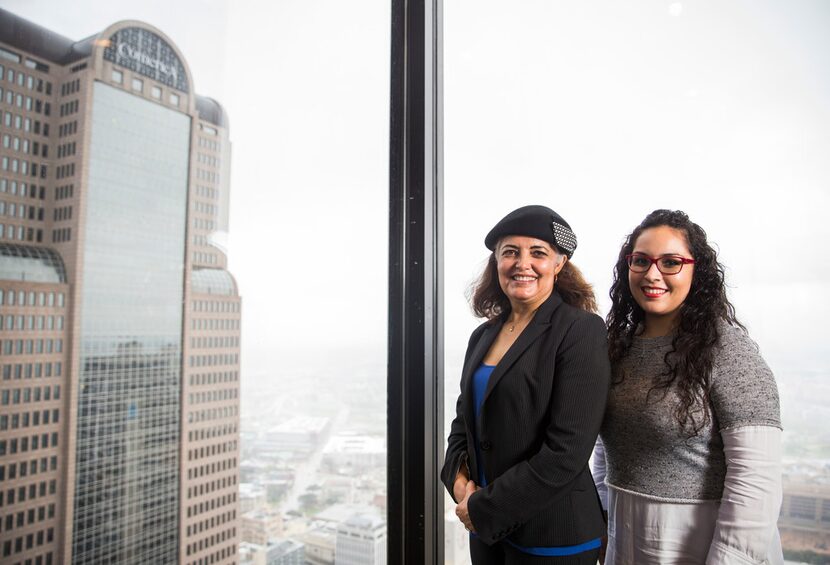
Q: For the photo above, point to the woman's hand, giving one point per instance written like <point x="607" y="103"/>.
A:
<point x="461" y="510"/>
<point x="459" y="488"/>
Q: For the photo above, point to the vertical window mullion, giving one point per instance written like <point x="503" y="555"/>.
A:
<point x="415" y="361"/>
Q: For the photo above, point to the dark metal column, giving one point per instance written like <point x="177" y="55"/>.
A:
<point x="416" y="356"/>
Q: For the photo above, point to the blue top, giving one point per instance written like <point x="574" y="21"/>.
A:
<point x="481" y="377"/>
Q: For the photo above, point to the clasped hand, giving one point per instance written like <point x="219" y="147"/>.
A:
<point x="462" y="489"/>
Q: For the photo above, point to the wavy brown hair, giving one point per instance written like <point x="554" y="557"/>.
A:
<point x="689" y="362"/>
<point x="489" y="301"/>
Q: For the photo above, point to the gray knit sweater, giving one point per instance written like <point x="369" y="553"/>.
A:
<point x="648" y="453"/>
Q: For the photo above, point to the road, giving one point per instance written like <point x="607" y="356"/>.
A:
<point x="305" y="474"/>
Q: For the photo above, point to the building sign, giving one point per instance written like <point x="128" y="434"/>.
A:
<point x="144" y="52"/>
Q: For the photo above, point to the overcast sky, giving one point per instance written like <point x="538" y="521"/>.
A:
<point x="602" y="110"/>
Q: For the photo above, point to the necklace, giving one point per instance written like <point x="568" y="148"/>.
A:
<point x="520" y="323"/>
<point x="512" y="326"/>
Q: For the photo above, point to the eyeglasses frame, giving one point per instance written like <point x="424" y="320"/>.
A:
<point x="654" y="261"/>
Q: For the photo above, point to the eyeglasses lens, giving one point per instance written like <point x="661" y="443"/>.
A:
<point x="669" y="265"/>
<point x="666" y="265"/>
<point x="639" y="263"/>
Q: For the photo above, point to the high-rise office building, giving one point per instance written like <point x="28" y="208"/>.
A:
<point x="119" y="322"/>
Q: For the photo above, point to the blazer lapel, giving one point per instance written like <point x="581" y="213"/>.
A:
<point x="479" y="351"/>
<point x="540" y="324"/>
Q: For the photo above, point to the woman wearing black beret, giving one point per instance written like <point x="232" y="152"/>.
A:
<point x="533" y="393"/>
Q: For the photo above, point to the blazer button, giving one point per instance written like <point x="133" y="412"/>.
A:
<point x="485" y="445"/>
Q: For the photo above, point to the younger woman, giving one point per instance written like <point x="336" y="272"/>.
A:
<point x="691" y="434"/>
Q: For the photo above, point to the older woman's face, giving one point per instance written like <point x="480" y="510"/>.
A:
<point x="527" y="267"/>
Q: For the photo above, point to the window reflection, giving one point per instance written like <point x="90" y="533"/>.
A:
<point x="131" y="322"/>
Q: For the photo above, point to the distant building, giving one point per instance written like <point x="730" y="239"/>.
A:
<point x="320" y="544"/>
<point x="804" y="522"/>
<point x="298" y="436"/>
<point x="275" y="488"/>
<point x="120" y="333"/>
<point x="352" y="454"/>
<point x="251" y="497"/>
<point x="361" y="540"/>
<point x="258" y="526"/>
<point x="275" y="552"/>
<point x="806" y="507"/>
<point x="337" y="513"/>
<point x="338" y="488"/>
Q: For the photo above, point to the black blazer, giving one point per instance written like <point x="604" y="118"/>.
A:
<point x="539" y="420"/>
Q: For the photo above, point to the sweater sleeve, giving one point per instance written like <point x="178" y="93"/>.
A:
<point x="746" y="530"/>
<point x="743" y="390"/>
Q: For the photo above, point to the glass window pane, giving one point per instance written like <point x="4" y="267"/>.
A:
<point x="205" y="180"/>
<point x="605" y="112"/>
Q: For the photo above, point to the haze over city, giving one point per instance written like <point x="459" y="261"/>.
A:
<point x="602" y="111"/>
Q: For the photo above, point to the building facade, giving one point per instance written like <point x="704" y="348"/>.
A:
<point x="274" y="552"/>
<point x="119" y="341"/>
<point x="361" y="540"/>
<point x="804" y="522"/>
<point x="320" y="544"/>
<point x="259" y="526"/>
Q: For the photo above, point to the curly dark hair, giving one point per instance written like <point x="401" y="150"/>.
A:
<point x="489" y="301"/>
<point x="689" y="363"/>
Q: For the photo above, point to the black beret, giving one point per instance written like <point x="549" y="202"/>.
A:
<point x="534" y="221"/>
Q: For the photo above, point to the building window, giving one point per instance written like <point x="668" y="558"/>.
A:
<point x="174" y="99"/>
<point x="117" y="76"/>
<point x="155" y="92"/>
<point x="138" y="84"/>
<point x="8" y="55"/>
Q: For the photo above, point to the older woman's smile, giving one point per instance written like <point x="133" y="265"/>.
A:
<point x="527" y="269"/>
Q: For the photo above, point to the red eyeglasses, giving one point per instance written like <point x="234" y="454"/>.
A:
<point x="667" y="264"/>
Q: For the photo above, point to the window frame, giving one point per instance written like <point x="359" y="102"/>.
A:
<point x="415" y="372"/>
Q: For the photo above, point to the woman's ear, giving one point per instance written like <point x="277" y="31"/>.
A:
<point x="562" y="260"/>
